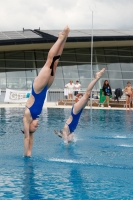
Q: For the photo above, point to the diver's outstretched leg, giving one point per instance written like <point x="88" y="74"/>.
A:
<point x="53" y="72"/>
<point x="43" y="77"/>
<point x="83" y="101"/>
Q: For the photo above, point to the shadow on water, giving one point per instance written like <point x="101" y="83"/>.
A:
<point x="78" y="185"/>
<point x="30" y="186"/>
<point x="78" y="191"/>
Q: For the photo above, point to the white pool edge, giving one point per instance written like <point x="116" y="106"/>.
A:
<point x="55" y="105"/>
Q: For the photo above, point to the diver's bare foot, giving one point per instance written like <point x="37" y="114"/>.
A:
<point x="99" y="74"/>
<point x="63" y="34"/>
<point x="27" y="155"/>
<point x="67" y="30"/>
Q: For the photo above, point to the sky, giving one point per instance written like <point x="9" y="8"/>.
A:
<point x="55" y="14"/>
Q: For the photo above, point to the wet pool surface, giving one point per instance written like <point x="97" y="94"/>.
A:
<point x="99" y="165"/>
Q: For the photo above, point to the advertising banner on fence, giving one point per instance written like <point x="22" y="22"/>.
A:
<point x="16" y="96"/>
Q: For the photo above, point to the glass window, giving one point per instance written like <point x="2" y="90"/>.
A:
<point x="124" y="51"/>
<point x="83" y="56"/>
<point x="19" y="55"/>
<point x="59" y="73"/>
<point x="127" y="66"/>
<point x="2" y="72"/>
<point x="2" y="83"/>
<point x="2" y="55"/>
<point x="125" y="59"/>
<point x="45" y="52"/>
<point x="115" y="75"/>
<point x="2" y="69"/>
<point x="84" y="83"/>
<point x="114" y="71"/>
<point x="132" y="51"/>
<point x="116" y="84"/>
<point x="68" y="58"/>
<point x="30" y="64"/>
<point x="15" y="74"/>
<point x="40" y="60"/>
<point x="84" y="71"/>
<point x="114" y="66"/>
<point x="16" y="83"/>
<point x="127" y="75"/>
<point x="29" y="82"/>
<point x="59" y="81"/>
<point x="58" y="84"/>
<point x="99" y="56"/>
<point x="31" y="73"/>
<point x="68" y="62"/>
<point x="111" y="59"/>
<point x="111" y="55"/>
<point x="19" y="68"/>
<point x="39" y="55"/>
<point x="70" y="72"/>
<point x="15" y="68"/>
<point x="111" y="51"/>
<point x="99" y="51"/>
<point x="125" y="54"/>
<point x="39" y="64"/>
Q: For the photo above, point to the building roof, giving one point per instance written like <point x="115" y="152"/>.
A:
<point x="49" y="36"/>
<point x="27" y="39"/>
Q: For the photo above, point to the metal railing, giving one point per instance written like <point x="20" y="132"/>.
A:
<point x="54" y="95"/>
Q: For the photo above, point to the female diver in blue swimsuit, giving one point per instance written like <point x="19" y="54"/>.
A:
<point x="40" y="86"/>
<point x="76" y="111"/>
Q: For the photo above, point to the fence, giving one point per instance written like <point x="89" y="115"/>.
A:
<point x="58" y="94"/>
<point x="55" y="95"/>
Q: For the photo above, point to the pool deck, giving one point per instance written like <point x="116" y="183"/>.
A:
<point x="54" y="105"/>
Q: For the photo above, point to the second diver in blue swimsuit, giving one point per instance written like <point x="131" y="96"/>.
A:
<point x="72" y="121"/>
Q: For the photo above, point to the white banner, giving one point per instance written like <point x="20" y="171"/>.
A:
<point x="16" y="96"/>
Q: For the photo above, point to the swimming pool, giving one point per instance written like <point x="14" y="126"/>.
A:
<point x="99" y="165"/>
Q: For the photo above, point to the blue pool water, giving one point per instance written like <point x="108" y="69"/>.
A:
<point x="99" y="165"/>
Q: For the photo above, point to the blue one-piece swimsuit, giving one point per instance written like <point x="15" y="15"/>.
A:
<point x="72" y="126"/>
<point x="36" y="108"/>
